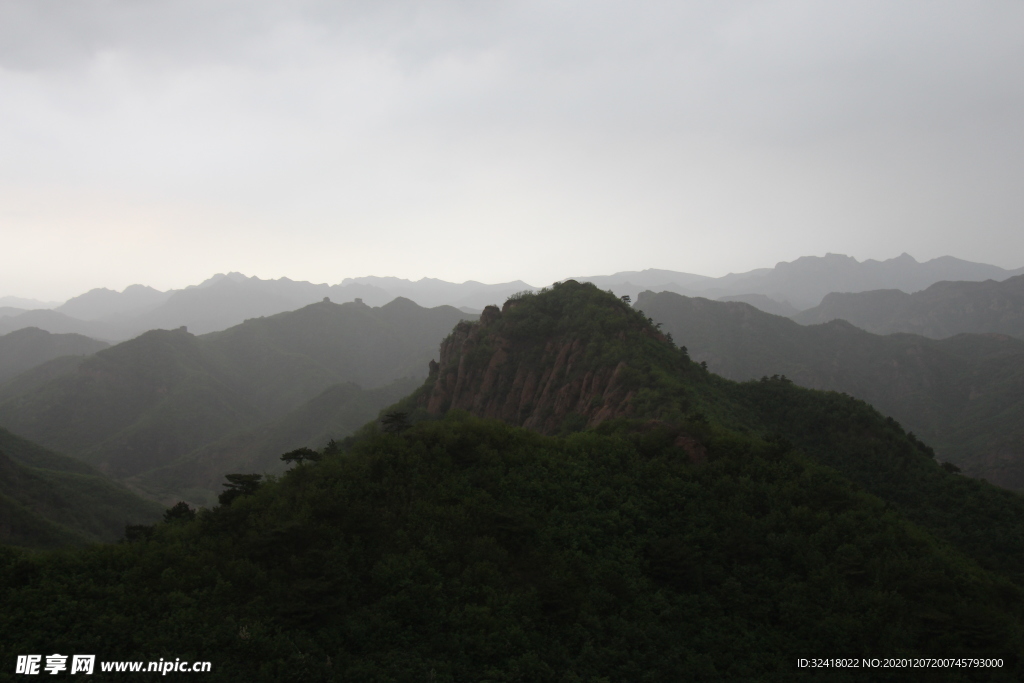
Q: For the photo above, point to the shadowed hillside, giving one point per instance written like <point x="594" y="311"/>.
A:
<point x="26" y="348"/>
<point x="50" y="500"/>
<point x="964" y="395"/>
<point x="332" y="415"/>
<point x="942" y="310"/>
<point x="143" y="404"/>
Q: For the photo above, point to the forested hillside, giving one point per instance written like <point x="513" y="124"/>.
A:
<point x="48" y="500"/>
<point x="666" y="523"/>
<point x="963" y="395"/>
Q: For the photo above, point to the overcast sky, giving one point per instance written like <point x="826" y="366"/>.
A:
<point x="162" y="142"/>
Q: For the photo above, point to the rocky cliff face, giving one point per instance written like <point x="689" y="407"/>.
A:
<point x="491" y="375"/>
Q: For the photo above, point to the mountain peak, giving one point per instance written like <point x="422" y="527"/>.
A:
<point x="569" y="356"/>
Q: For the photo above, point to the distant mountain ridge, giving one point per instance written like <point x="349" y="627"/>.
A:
<point x="147" y="402"/>
<point x="24" y="349"/>
<point x="27" y="304"/>
<point x="963" y="394"/>
<point x="227" y="299"/>
<point x="101" y="303"/>
<point x="942" y="310"/>
<point x="803" y="283"/>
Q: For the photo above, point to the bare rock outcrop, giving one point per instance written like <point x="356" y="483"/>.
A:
<point x="535" y="385"/>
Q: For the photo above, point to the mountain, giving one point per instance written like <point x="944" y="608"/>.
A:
<point x="431" y="292"/>
<point x="25" y="304"/>
<point x="803" y="283"/>
<point x="228" y="299"/>
<point x="764" y="303"/>
<point x="942" y="310"/>
<point x="6" y="311"/>
<point x="696" y="530"/>
<point x="576" y="357"/>
<point x="334" y="414"/>
<point x="145" y="403"/>
<point x="50" y="500"/>
<point x="962" y="395"/>
<point x="59" y="323"/>
<point x="102" y="303"/>
<point x="30" y="346"/>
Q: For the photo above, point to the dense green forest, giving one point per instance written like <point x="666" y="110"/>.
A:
<point x="479" y="551"/>
<point x="681" y="527"/>
<point x="48" y="500"/>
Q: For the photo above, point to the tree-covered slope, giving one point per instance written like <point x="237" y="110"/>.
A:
<point x="50" y="500"/>
<point x="576" y="356"/>
<point x="963" y="395"/>
<point x="467" y="550"/>
<point x="668" y="524"/>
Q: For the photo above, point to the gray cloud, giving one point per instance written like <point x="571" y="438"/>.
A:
<point x="159" y="142"/>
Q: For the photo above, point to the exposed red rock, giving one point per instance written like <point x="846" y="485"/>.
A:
<point x="491" y="376"/>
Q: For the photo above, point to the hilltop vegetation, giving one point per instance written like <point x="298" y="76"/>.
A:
<point x="590" y="357"/>
<point x="962" y="395"/>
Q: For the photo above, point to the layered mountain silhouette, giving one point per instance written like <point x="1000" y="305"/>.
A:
<point x="229" y="299"/>
<point x="333" y="414"/>
<point x="26" y="348"/>
<point x="58" y="323"/>
<point x="650" y="520"/>
<point x="803" y="283"/>
<point x="963" y="394"/>
<point x="942" y="310"/>
<point x="145" y="403"/>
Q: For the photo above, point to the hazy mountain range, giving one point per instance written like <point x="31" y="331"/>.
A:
<point x="942" y="310"/>
<point x="26" y="348"/>
<point x="651" y="518"/>
<point x="964" y="395"/>
<point x="170" y="411"/>
<point x="229" y="299"/>
<point x="803" y="283"/>
<point x="147" y="402"/>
